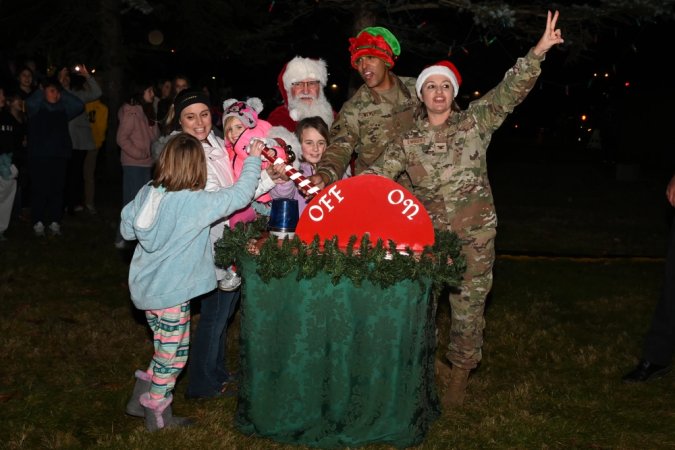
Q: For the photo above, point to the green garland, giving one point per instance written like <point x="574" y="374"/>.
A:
<point x="441" y="263"/>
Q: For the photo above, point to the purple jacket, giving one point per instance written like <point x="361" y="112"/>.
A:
<point x="290" y="190"/>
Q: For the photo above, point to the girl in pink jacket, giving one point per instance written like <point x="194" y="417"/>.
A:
<point x="240" y="125"/>
<point x="136" y="132"/>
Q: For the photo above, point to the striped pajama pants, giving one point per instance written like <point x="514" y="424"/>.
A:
<point x="171" y="336"/>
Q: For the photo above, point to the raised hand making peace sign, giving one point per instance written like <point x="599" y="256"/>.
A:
<point x="551" y="35"/>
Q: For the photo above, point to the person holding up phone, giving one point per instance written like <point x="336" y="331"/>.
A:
<point x="81" y="84"/>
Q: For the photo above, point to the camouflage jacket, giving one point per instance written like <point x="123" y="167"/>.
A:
<point x="447" y="163"/>
<point x="365" y="125"/>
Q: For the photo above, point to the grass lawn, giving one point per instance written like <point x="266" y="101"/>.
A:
<point x="576" y="281"/>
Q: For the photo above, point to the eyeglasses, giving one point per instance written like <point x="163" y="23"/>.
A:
<point x="306" y="84"/>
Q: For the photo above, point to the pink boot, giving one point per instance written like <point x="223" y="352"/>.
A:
<point x="158" y="413"/>
<point x="143" y="382"/>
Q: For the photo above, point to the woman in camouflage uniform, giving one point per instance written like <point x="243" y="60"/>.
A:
<point x="445" y="157"/>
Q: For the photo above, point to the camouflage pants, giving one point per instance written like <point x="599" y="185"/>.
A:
<point x="468" y="303"/>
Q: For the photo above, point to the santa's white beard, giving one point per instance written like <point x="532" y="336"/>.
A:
<point x="321" y="107"/>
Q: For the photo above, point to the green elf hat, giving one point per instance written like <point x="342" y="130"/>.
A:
<point x="375" y="41"/>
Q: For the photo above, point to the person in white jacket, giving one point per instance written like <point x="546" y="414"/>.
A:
<point x="207" y="372"/>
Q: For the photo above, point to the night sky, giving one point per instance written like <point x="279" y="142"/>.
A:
<point x="621" y="66"/>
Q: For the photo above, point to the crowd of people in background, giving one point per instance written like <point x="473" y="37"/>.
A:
<point x="52" y="129"/>
<point x="38" y="105"/>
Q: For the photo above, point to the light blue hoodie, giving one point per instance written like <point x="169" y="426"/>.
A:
<point x="173" y="261"/>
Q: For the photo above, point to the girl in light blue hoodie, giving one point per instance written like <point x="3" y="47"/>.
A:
<point x="173" y="262"/>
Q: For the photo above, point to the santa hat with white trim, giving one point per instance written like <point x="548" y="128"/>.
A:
<point x="445" y="68"/>
<point x="298" y="69"/>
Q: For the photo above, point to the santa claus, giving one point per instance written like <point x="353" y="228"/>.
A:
<point x="301" y="83"/>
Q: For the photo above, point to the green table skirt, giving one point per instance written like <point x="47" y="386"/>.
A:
<point x="336" y="366"/>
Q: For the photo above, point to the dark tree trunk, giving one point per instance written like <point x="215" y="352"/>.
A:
<point x="114" y="59"/>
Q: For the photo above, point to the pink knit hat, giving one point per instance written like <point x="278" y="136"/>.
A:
<point x="246" y="111"/>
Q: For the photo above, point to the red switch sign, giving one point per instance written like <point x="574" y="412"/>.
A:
<point x="367" y="204"/>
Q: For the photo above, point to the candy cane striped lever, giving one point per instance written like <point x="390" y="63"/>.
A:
<point x="306" y="186"/>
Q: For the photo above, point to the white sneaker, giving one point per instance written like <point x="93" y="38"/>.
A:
<point x="39" y="229"/>
<point x="55" y="229"/>
<point x="230" y="282"/>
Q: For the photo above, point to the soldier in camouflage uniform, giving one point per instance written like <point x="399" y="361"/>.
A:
<point x="380" y="107"/>
<point x="445" y="157"/>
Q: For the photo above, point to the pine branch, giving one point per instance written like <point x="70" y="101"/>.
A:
<point x="383" y="265"/>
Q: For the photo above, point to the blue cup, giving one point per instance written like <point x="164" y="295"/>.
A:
<point x="283" y="217"/>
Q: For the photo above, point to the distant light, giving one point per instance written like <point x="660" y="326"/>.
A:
<point x="155" y="37"/>
<point x="476" y="93"/>
<point x="590" y="130"/>
<point x="584" y="117"/>
<point x="213" y="77"/>
<point x="173" y="50"/>
<point x="606" y="75"/>
<point x="595" y="74"/>
<point x="333" y="86"/>
<point x="93" y="71"/>
<point x="515" y="125"/>
<point x="626" y="84"/>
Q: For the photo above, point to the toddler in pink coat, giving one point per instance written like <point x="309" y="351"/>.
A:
<point x="241" y="125"/>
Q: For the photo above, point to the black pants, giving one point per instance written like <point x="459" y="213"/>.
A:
<point x="48" y="176"/>
<point x="659" y="344"/>
<point x="74" y="193"/>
